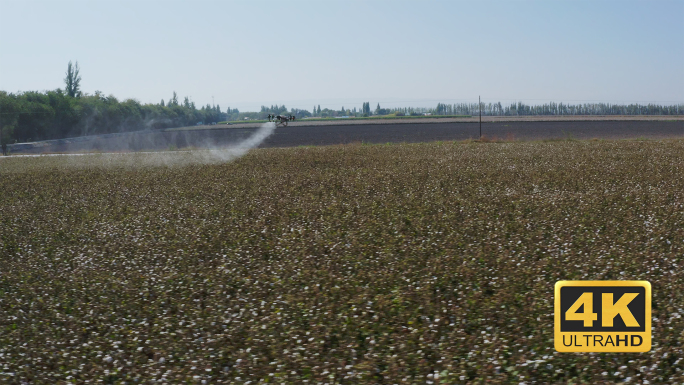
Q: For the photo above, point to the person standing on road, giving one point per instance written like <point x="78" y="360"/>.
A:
<point x="4" y="149"/>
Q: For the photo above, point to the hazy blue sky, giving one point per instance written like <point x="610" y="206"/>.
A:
<point x="334" y="53"/>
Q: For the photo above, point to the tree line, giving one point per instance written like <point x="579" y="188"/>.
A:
<point x="30" y="116"/>
<point x="33" y="115"/>
<point x="552" y="108"/>
<point x="513" y="109"/>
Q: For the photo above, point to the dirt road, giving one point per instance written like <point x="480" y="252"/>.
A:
<point x="518" y="130"/>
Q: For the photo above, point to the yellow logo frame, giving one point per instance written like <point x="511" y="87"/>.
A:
<point x="603" y="341"/>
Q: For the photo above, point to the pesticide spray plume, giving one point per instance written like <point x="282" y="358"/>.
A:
<point x="227" y="154"/>
<point x="133" y="150"/>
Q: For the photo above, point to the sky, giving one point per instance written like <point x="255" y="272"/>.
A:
<point x="244" y="54"/>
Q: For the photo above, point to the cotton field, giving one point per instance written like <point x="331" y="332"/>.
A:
<point x="394" y="264"/>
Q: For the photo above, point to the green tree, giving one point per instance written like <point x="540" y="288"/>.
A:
<point x="162" y="103"/>
<point x="366" y="109"/>
<point x="73" y="80"/>
<point x="9" y="116"/>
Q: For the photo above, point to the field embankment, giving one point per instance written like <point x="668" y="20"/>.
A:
<point x="418" y="263"/>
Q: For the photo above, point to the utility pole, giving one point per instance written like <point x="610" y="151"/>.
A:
<point x="480" y="105"/>
<point x="212" y="101"/>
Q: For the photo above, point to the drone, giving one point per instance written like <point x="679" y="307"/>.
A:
<point x="281" y="119"/>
